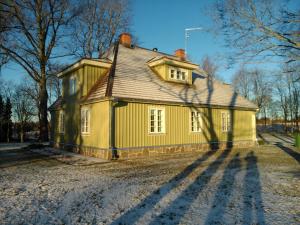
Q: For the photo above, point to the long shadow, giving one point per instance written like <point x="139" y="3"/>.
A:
<point x="289" y="151"/>
<point x="11" y="158"/>
<point x="283" y="139"/>
<point x="263" y="138"/>
<point x="224" y="191"/>
<point x="185" y="199"/>
<point x="253" y="203"/>
<point x="151" y="200"/>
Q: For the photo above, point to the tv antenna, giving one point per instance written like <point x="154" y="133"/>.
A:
<point x="187" y="35"/>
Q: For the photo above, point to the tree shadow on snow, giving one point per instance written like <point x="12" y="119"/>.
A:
<point x="224" y="192"/>
<point x="289" y="151"/>
<point x="132" y="215"/>
<point x="11" y="158"/>
<point x="253" y="203"/>
<point x="178" y="207"/>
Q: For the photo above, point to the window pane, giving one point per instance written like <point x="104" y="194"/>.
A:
<point x="172" y="73"/>
<point x="183" y="75"/>
<point x="178" y="74"/>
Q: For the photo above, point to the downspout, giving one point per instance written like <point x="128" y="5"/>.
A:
<point x="112" y="103"/>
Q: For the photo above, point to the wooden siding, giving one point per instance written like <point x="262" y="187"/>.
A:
<point x="131" y="126"/>
<point x="99" y="126"/>
<point x="86" y="77"/>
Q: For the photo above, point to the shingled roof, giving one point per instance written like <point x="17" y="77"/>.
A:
<point x="132" y="78"/>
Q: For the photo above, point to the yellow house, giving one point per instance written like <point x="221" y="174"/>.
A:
<point x="140" y="102"/>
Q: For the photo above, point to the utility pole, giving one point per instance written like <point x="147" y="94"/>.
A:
<point x="187" y="30"/>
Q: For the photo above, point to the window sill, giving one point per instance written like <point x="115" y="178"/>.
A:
<point x="154" y="134"/>
<point x="195" y="132"/>
<point x="85" y="134"/>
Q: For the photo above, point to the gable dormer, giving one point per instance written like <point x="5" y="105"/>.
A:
<point x="79" y="78"/>
<point x="173" y="68"/>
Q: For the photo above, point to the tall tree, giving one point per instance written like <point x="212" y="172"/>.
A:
<point x="2" y="107"/>
<point x="98" y="24"/>
<point x="24" y="109"/>
<point x="7" y="123"/>
<point x="210" y="67"/>
<point x="262" y="91"/>
<point x="260" y="27"/>
<point x="30" y="39"/>
<point x="242" y="82"/>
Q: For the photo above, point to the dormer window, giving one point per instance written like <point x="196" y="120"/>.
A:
<point x="178" y="74"/>
<point x="72" y="85"/>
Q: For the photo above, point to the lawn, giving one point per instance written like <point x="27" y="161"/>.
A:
<point x="239" y="186"/>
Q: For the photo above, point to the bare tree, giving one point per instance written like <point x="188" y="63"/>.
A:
<point x="242" y="82"/>
<point x="24" y="108"/>
<point x="210" y="67"/>
<point x="98" y="24"/>
<point x="262" y="91"/>
<point x="260" y="28"/>
<point x="30" y="41"/>
<point x="281" y="92"/>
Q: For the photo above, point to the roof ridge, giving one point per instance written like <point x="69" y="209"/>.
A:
<point x="163" y="54"/>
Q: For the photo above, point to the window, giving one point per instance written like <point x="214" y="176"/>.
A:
<point x="196" y="121"/>
<point x="178" y="74"/>
<point x="157" y="120"/>
<point x="72" y="85"/>
<point x="61" y="122"/>
<point x="85" y="120"/>
<point x="226" y="122"/>
<point x="172" y="73"/>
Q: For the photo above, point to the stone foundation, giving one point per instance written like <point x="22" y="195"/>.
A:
<point x="150" y="151"/>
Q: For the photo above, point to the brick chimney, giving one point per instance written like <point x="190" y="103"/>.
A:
<point x="125" y="39"/>
<point x="180" y="53"/>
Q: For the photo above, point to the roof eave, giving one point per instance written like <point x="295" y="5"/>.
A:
<point x="170" y="61"/>
<point x="83" y="62"/>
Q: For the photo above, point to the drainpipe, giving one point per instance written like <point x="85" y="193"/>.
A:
<point x="112" y="103"/>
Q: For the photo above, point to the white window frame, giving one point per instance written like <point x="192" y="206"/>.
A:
<point x="159" y="126"/>
<point x="85" y="120"/>
<point x="227" y="126"/>
<point x="72" y="85"/>
<point x="198" y="122"/>
<point x="176" y="71"/>
<point x="61" y="122"/>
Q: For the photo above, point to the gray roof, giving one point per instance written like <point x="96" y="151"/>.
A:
<point x="132" y="78"/>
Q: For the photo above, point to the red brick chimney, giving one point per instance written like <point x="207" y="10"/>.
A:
<point x="125" y="39"/>
<point x="180" y="53"/>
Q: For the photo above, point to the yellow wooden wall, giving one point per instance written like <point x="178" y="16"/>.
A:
<point x="86" y="77"/>
<point x="131" y="126"/>
<point x="99" y="126"/>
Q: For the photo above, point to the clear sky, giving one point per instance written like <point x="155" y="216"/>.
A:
<point x="161" y="24"/>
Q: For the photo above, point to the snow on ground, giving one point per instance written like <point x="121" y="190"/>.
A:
<point x="241" y="186"/>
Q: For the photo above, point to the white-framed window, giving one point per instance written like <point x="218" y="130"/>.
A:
<point x="85" y="120"/>
<point x="196" y="121"/>
<point x="178" y="73"/>
<point x="61" y="122"/>
<point x="226" y="121"/>
<point x="156" y="120"/>
<point x="72" y="85"/>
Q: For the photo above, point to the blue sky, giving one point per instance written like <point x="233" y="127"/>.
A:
<point x="161" y="24"/>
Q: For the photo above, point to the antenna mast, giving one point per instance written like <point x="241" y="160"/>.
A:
<point x="187" y="30"/>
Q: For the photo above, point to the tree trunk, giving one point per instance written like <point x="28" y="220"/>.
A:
<point x="43" y="110"/>
<point x="21" y="135"/>
<point x="7" y="133"/>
